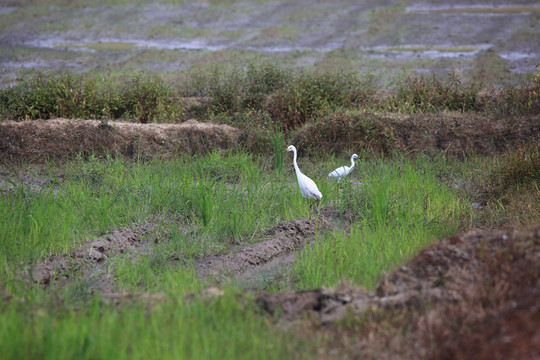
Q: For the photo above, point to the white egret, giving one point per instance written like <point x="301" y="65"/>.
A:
<point x="308" y="188"/>
<point x="343" y="171"/>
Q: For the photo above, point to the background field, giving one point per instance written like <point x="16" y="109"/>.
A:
<point x="149" y="211"/>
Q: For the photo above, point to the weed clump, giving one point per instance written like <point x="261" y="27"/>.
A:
<point x="518" y="169"/>
<point x="46" y="96"/>
<point x="311" y="95"/>
<point x="512" y="100"/>
<point x="343" y="131"/>
<point x="431" y="94"/>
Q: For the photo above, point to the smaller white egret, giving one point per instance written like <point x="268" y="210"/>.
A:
<point x="343" y="171"/>
<point x="308" y="188"/>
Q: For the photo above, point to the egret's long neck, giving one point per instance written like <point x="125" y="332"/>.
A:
<point x="296" y="168"/>
<point x="352" y="162"/>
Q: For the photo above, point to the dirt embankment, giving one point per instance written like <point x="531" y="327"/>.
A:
<point x="57" y="139"/>
<point x="457" y="135"/>
<point x="469" y="296"/>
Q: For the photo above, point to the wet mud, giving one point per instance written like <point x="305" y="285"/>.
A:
<point x="361" y="36"/>
<point x="12" y="181"/>
<point x="89" y="262"/>
<point x="282" y="240"/>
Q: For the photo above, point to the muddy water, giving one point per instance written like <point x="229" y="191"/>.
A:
<point x="344" y="34"/>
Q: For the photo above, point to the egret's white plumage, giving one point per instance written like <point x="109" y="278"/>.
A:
<point x="308" y="188"/>
<point x="343" y="171"/>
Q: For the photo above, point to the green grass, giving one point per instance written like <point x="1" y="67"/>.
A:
<point x="400" y="208"/>
<point x="221" y="328"/>
<point x="205" y="205"/>
<point x="219" y="196"/>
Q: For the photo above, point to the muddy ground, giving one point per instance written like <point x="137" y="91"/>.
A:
<point x="470" y="296"/>
<point x="90" y="261"/>
<point x="493" y="41"/>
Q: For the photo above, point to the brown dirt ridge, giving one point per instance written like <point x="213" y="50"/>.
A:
<point x="57" y="139"/>
<point x="454" y="134"/>
<point x="457" y="135"/>
<point x="91" y="258"/>
<point x="468" y="296"/>
<point x="283" y="238"/>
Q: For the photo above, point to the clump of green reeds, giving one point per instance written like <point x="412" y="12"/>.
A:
<point x="398" y="209"/>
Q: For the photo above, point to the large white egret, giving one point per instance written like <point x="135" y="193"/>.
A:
<point x="343" y="171"/>
<point x="308" y="188"/>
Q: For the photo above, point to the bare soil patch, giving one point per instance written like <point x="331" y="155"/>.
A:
<point x="284" y="238"/>
<point x="58" y="139"/>
<point x="90" y="260"/>
<point x="10" y="180"/>
<point x="468" y="296"/>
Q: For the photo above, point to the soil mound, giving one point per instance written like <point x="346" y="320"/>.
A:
<point x="468" y="296"/>
<point x="283" y="238"/>
<point x="36" y="141"/>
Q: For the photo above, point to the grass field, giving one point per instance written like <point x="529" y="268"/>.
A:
<point x="148" y="209"/>
<point x="216" y="201"/>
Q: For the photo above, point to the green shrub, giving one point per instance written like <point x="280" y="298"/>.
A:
<point x="47" y="95"/>
<point x="432" y="94"/>
<point x="311" y="94"/>
<point x="343" y="132"/>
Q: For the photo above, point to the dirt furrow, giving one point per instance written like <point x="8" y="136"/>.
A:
<point x="90" y="260"/>
<point x="283" y="239"/>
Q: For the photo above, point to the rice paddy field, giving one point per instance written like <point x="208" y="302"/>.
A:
<point x="148" y="208"/>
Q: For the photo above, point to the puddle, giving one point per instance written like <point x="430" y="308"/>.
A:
<point x="7" y="9"/>
<point x="474" y="9"/>
<point x="11" y="182"/>
<point x="26" y="64"/>
<point x="515" y="55"/>
<point x="102" y="45"/>
<point x="422" y="51"/>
